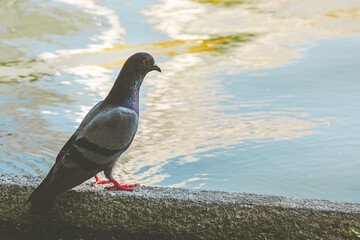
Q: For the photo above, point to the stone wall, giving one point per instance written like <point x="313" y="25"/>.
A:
<point x="88" y="212"/>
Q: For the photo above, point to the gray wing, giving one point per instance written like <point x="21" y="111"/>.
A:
<point x="107" y="135"/>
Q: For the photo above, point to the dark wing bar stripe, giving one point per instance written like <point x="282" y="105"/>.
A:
<point x="77" y="156"/>
<point x="83" y="142"/>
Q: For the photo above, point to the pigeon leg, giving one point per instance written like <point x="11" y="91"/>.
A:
<point x="119" y="186"/>
<point x="100" y="181"/>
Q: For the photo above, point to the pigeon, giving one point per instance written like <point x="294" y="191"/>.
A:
<point x="102" y="136"/>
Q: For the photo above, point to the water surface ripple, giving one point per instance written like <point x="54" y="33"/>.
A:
<point x="260" y="97"/>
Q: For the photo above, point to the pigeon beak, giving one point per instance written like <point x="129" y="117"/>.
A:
<point x="155" y="67"/>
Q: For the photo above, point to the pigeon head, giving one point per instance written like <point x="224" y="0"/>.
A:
<point x="134" y="70"/>
<point x="125" y="91"/>
<point x="141" y="63"/>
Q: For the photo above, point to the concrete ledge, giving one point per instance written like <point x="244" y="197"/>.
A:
<point x="167" y="213"/>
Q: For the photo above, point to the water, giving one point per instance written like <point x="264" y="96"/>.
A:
<point x="260" y="97"/>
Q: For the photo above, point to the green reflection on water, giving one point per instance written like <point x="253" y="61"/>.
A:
<point x="35" y="21"/>
<point x="16" y="62"/>
<point x="222" y="44"/>
<point x="32" y="76"/>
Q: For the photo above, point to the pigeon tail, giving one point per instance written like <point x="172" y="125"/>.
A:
<point x="54" y="184"/>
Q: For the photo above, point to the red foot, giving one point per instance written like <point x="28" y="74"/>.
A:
<point x="100" y="181"/>
<point x="125" y="187"/>
<point x="117" y="185"/>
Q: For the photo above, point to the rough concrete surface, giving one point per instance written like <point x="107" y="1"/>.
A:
<point x="88" y="212"/>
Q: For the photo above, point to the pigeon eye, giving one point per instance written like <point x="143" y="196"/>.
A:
<point x="145" y="60"/>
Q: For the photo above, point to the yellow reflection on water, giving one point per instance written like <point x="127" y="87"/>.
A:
<point x="352" y="12"/>
<point x="172" y="48"/>
<point x="221" y="2"/>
